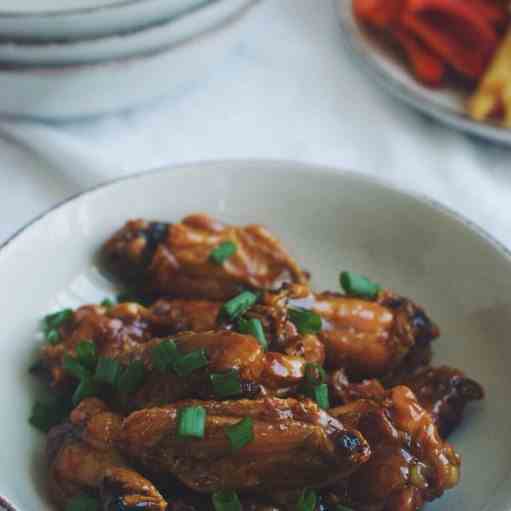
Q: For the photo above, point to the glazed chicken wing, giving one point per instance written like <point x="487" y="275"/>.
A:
<point x="410" y="463"/>
<point x="83" y="459"/>
<point x="295" y="445"/>
<point x="174" y="259"/>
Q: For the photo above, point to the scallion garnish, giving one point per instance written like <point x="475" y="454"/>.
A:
<point x="226" y="501"/>
<point x="240" y="434"/>
<point x="222" y="252"/>
<point x="186" y="364"/>
<point x="49" y="413"/>
<point x="253" y="327"/>
<point x="358" y="285"/>
<point x="73" y="366"/>
<point x="108" y="303"/>
<point x="226" y="384"/>
<point x="83" y="503"/>
<point x="86" y="354"/>
<point x="320" y="395"/>
<point x="191" y="422"/>
<point x="52" y="336"/>
<point x="86" y="388"/>
<point x="307" y="322"/>
<point x="164" y="355"/>
<point x="57" y="318"/>
<point x="238" y="305"/>
<point x="314" y="374"/>
<point x="307" y="500"/>
<point x="132" y="377"/>
<point x="108" y="371"/>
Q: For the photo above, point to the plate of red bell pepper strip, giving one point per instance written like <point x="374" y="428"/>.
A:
<point x="437" y="55"/>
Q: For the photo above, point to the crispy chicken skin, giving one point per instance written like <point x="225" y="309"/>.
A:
<point x="82" y="458"/>
<point x="290" y="437"/>
<point x="410" y="463"/>
<point x="444" y="392"/>
<point x="173" y="259"/>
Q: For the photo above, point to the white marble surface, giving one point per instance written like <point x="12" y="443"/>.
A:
<point x="287" y="89"/>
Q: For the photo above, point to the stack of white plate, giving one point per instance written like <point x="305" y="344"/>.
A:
<point x="75" y="58"/>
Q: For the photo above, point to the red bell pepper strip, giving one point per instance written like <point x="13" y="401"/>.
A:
<point x="378" y="13"/>
<point x="427" y="67"/>
<point x="453" y="30"/>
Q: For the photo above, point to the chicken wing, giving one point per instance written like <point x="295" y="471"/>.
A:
<point x="410" y="463"/>
<point x="174" y="259"/>
<point x="289" y="437"/>
<point x="83" y="459"/>
<point x="444" y="392"/>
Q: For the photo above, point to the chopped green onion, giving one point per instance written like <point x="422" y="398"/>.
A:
<point x="164" y="355"/>
<point x="186" y="364"/>
<point x="132" y="377"/>
<point x="46" y="414"/>
<point x="314" y="374"/>
<point x="238" y="305"/>
<point x="52" y="336"/>
<point x="253" y="327"/>
<point x="358" y="285"/>
<point x="221" y="253"/>
<point x="320" y="395"/>
<point x="307" y="501"/>
<point x="58" y="318"/>
<point x="86" y="354"/>
<point x="240" y="434"/>
<point x="108" y="303"/>
<point x="191" y="422"/>
<point x="307" y="322"/>
<point x="226" y="384"/>
<point x="108" y="371"/>
<point x="86" y="388"/>
<point x="73" y="366"/>
<point x="226" y="501"/>
<point x="83" y="503"/>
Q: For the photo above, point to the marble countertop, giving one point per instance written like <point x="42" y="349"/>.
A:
<point x="286" y="89"/>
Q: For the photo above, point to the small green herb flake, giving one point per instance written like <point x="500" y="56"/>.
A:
<point x="226" y="501"/>
<point x="226" y="384"/>
<point x="72" y="366"/>
<point x="132" y="377"/>
<point x="253" y="326"/>
<point x="357" y="285"/>
<point x="86" y="354"/>
<point x="240" y="434"/>
<point x="307" y="501"/>
<point x="191" y="422"/>
<point x="222" y="252"/>
<point x="83" y="503"/>
<point x="307" y="322"/>
<point x="320" y="394"/>
<point x="238" y="305"/>
<point x="108" y="371"/>
<point x="164" y="355"/>
<point x="108" y="303"/>
<point x="86" y="388"/>
<point x="314" y="374"/>
<point x="190" y="362"/>
<point x="57" y="319"/>
<point x="52" y="336"/>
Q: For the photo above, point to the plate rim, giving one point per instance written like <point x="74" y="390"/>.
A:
<point x="398" y="90"/>
<point x="280" y="165"/>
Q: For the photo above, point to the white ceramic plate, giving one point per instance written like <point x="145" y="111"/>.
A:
<point x="54" y="20"/>
<point x="446" y="105"/>
<point x="82" y="90"/>
<point x="331" y="221"/>
<point x="164" y="34"/>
